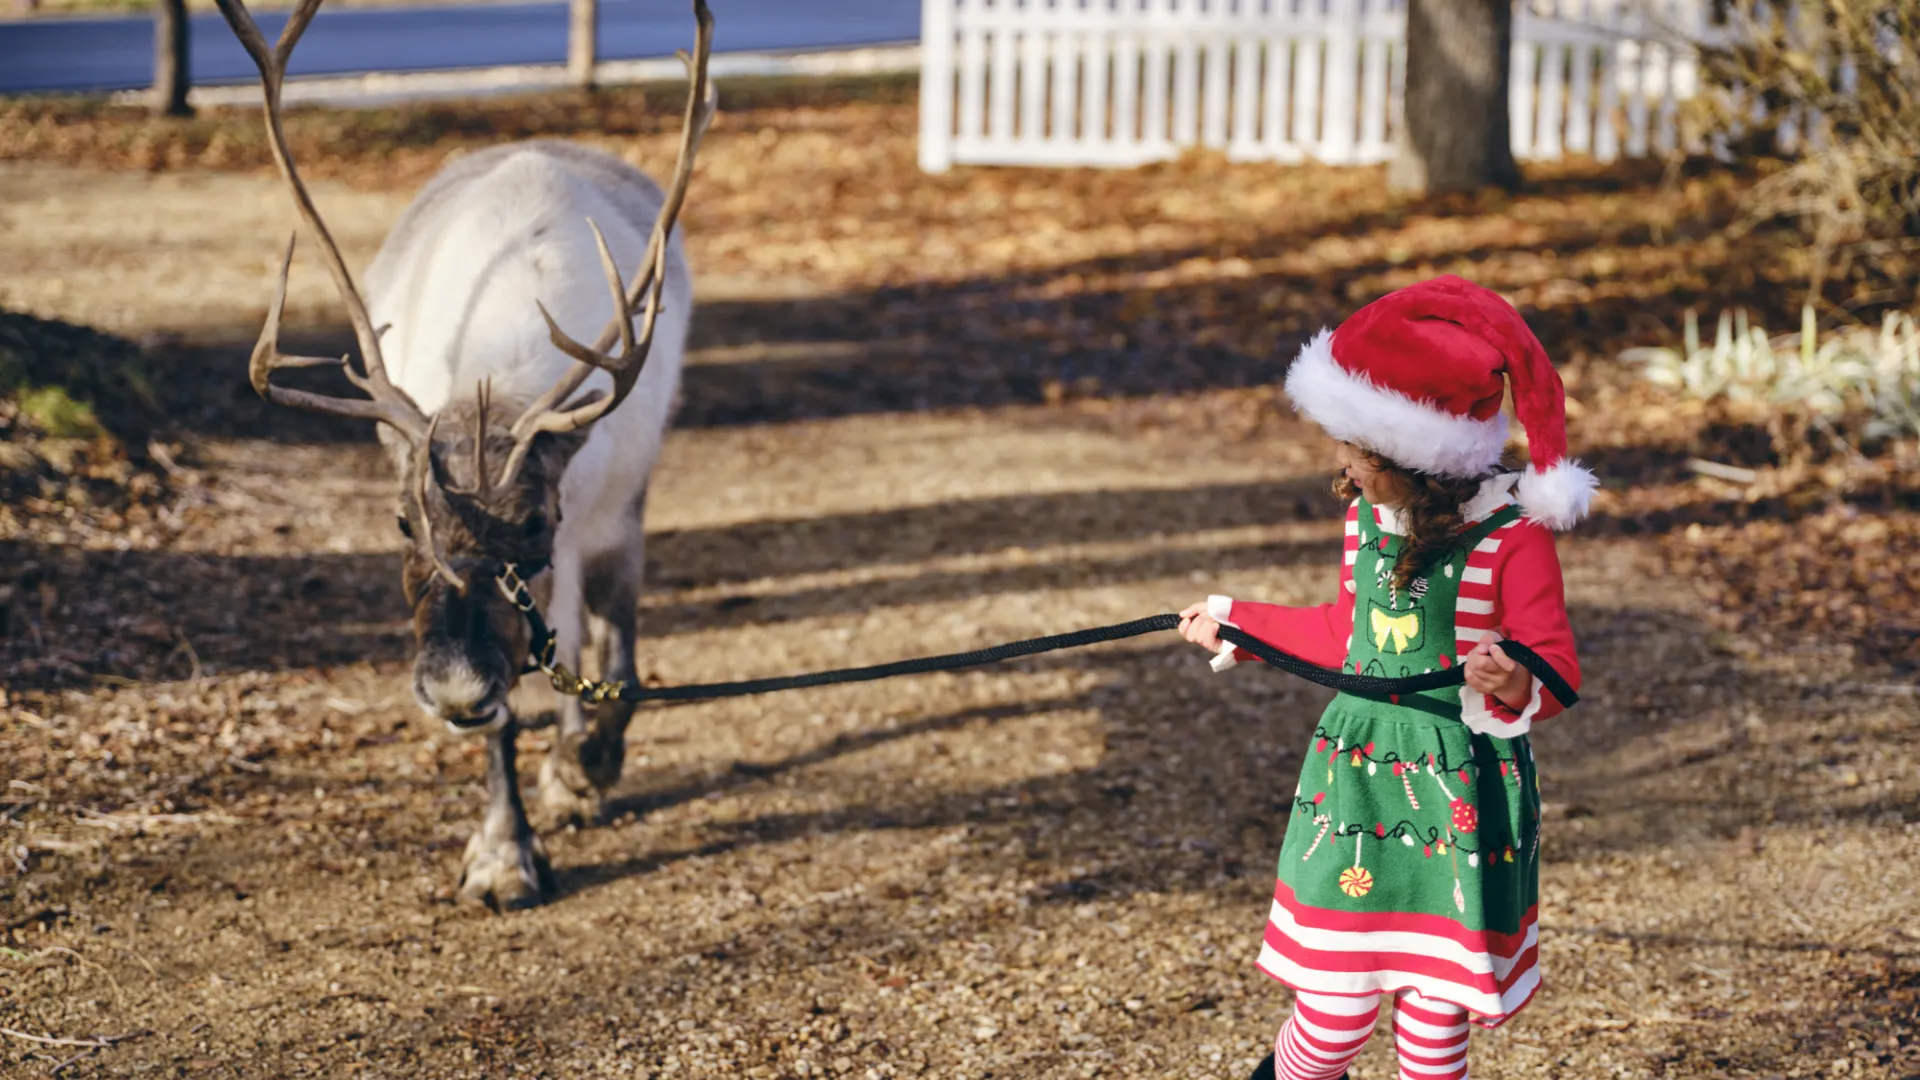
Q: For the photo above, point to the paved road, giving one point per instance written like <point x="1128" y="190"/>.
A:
<point x="117" y="53"/>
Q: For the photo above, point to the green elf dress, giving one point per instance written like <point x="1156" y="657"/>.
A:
<point x="1412" y="857"/>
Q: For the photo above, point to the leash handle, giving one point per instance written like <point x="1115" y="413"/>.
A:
<point x="1549" y="677"/>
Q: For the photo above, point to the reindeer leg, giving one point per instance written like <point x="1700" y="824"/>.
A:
<point x="567" y="795"/>
<point x="614" y="598"/>
<point x="590" y="746"/>
<point x="505" y="866"/>
<point x="615" y="588"/>
<point x="590" y="749"/>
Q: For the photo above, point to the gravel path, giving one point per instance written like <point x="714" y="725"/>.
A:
<point x="1058" y="868"/>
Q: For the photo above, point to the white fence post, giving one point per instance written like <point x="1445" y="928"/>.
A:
<point x="1157" y="68"/>
<point x="1126" y="83"/>
<point x="1244" y="140"/>
<point x="1000" y="75"/>
<point x="1340" y="112"/>
<point x="1214" y="50"/>
<point x="1096" y="46"/>
<point x="1122" y="82"/>
<point x="1066" y="81"/>
<point x="1375" y="82"/>
<point x="1033" y="83"/>
<point x="936" y="85"/>
<point x="973" y="73"/>
<point x="1580" y="60"/>
<point x="1186" y="70"/>
<point x="1308" y="48"/>
<point x="1522" y="62"/>
<point x="1277" y="143"/>
<point x="1550" y="103"/>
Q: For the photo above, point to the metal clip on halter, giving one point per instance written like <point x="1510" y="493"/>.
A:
<point x="541" y="650"/>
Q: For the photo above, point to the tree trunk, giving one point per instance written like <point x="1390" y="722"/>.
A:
<point x="171" y="79"/>
<point x="582" y="41"/>
<point x="1457" y="135"/>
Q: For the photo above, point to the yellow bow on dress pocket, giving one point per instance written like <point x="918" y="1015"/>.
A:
<point x="1401" y="628"/>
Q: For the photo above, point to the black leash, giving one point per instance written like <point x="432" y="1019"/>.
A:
<point x="1372" y="686"/>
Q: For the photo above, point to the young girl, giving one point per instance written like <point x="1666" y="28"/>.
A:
<point x="1411" y="861"/>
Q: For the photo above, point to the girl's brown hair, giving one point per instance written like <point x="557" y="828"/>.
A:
<point x="1429" y="509"/>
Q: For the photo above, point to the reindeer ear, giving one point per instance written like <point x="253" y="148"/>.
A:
<point x="555" y="449"/>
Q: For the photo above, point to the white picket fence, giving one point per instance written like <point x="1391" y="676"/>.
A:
<point x="1125" y="82"/>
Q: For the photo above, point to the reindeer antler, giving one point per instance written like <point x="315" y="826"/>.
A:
<point x="385" y="402"/>
<point x="547" y="413"/>
<point x="424" y="476"/>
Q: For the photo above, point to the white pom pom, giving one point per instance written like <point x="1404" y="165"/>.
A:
<point x="1558" y="497"/>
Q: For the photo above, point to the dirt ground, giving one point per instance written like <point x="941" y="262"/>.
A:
<point x="231" y="843"/>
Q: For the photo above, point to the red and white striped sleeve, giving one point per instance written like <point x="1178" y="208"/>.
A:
<point x="1319" y="633"/>
<point x="1512" y="588"/>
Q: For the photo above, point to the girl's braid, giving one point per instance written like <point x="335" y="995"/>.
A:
<point x="1429" y="508"/>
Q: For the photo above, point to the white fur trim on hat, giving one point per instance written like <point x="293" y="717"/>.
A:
<point x="1558" y="496"/>
<point x="1413" y="434"/>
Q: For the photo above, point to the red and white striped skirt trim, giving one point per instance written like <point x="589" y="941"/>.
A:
<point x="1491" y="975"/>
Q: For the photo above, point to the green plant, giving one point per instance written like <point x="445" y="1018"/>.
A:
<point x="55" y="413"/>
<point x="1858" y="382"/>
<point x="69" y="381"/>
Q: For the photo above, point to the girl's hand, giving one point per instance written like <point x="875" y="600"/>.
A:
<point x="1491" y="671"/>
<point x="1200" y="628"/>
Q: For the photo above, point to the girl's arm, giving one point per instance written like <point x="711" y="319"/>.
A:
<point x="1530" y="607"/>
<point x="1318" y="634"/>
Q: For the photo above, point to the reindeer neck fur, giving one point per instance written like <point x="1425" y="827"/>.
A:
<point x="493" y="234"/>
<point x="458" y="278"/>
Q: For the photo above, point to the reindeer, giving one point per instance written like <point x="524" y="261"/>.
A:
<point x="517" y="445"/>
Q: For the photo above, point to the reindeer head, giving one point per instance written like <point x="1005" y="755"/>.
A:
<point x="465" y="520"/>
<point x="465" y="525"/>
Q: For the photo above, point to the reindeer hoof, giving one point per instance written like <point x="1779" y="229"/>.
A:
<point x="601" y="753"/>
<point x="506" y="875"/>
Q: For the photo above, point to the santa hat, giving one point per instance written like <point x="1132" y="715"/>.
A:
<point x="1417" y="377"/>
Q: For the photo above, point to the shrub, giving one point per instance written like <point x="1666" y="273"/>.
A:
<point x="1858" y="384"/>
<point x="1837" y="84"/>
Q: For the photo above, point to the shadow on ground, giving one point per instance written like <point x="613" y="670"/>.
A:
<point x="1178" y="750"/>
<point x="129" y="612"/>
<point x="1103" y="327"/>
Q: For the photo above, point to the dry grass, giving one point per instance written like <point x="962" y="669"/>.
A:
<point x="926" y="413"/>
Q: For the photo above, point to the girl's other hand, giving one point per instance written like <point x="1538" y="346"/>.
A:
<point x="1491" y="671"/>
<point x="1200" y="628"/>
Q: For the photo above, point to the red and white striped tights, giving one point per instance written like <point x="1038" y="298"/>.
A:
<point x="1326" y="1032"/>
